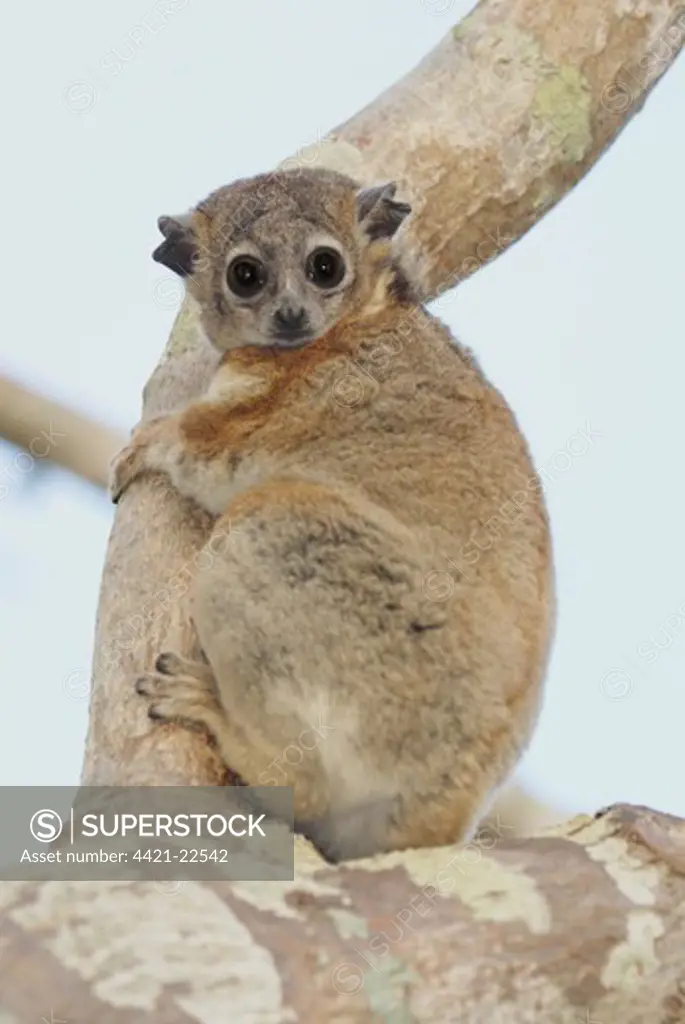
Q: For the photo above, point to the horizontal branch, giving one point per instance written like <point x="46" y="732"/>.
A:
<point x="584" y="924"/>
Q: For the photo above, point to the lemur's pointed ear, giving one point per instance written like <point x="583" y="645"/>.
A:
<point x="379" y="213"/>
<point x="179" y="249"/>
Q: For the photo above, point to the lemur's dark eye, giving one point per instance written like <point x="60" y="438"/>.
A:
<point x="325" y="267"/>
<point x="246" y="276"/>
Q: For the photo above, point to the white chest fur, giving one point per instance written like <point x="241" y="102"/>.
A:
<point x="230" y="385"/>
<point x="215" y="484"/>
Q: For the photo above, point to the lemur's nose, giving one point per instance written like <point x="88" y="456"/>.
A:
<point x="290" y="318"/>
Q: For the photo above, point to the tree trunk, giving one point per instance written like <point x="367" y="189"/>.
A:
<point x="485" y="135"/>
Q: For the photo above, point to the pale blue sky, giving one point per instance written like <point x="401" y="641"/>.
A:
<point x="110" y="123"/>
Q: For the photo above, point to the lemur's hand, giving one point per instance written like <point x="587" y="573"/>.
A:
<point x="132" y="460"/>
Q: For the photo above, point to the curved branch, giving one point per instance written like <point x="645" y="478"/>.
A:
<point x="504" y="117"/>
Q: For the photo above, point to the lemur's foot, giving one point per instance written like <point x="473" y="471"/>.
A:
<point x="181" y="690"/>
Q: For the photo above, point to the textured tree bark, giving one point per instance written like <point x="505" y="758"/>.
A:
<point x="580" y="926"/>
<point x="488" y="133"/>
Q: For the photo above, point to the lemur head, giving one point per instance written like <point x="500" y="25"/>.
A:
<point x="278" y="259"/>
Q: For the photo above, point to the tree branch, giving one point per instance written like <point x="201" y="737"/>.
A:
<point x="49" y="430"/>
<point x="581" y="925"/>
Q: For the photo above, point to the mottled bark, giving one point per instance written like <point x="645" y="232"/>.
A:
<point x="582" y="925"/>
<point x="490" y="131"/>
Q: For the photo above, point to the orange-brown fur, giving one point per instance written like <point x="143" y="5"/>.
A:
<point x="208" y="432"/>
<point x="340" y="516"/>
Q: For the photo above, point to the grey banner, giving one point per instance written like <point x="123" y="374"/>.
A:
<point x="165" y="833"/>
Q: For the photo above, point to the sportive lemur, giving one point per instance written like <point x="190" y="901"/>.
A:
<point x="357" y="458"/>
